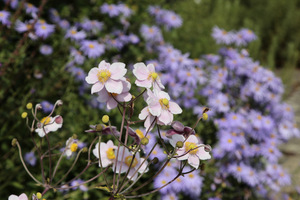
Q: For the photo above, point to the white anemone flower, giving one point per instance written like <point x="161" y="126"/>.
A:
<point x="49" y="124"/>
<point x="126" y="160"/>
<point x="107" y="153"/>
<point x="196" y="151"/>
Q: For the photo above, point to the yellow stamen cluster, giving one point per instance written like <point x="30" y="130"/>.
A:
<point x="39" y="195"/>
<point x="191" y="145"/>
<point x="74" y="147"/>
<point x="91" y="46"/>
<point x="154" y="75"/>
<point x="43" y="27"/>
<point x="164" y="103"/>
<point x="128" y="160"/>
<point x="45" y="120"/>
<point x="73" y="32"/>
<point x="139" y="133"/>
<point x="103" y="75"/>
<point x="110" y="153"/>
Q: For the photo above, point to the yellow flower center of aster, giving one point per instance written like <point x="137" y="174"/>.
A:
<point x="128" y="160"/>
<point x="139" y="133"/>
<point x="29" y="5"/>
<point x="191" y="145"/>
<point x="42" y="21"/>
<point x="43" y="27"/>
<point x="163" y="182"/>
<point x="178" y="180"/>
<point x="73" y="32"/>
<point x="45" y="120"/>
<point x="164" y="103"/>
<point x="229" y="140"/>
<point x="189" y="74"/>
<point x="91" y="46"/>
<point x="154" y="152"/>
<point x="191" y="175"/>
<point x="1" y="14"/>
<point x="259" y="117"/>
<point x="154" y="75"/>
<point x="103" y="75"/>
<point x="239" y="169"/>
<point x="110" y="153"/>
<point x="28" y="26"/>
<point x="151" y="30"/>
<point x="74" y="147"/>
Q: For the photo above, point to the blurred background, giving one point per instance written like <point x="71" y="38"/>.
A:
<point x="47" y="62"/>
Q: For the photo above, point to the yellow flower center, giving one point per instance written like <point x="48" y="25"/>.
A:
<point x="154" y="152"/>
<point x="164" y="103"/>
<point x="110" y="153"/>
<point x="128" y="160"/>
<point x="74" y="147"/>
<point x="154" y="75"/>
<point x="191" y="145"/>
<point x="191" y="175"/>
<point x="73" y="32"/>
<point x="103" y="75"/>
<point x="239" y="169"/>
<point x="28" y="26"/>
<point x="229" y="140"/>
<point x="139" y="133"/>
<point x="1" y="14"/>
<point x="45" y="120"/>
<point x="42" y="21"/>
<point x="163" y="182"/>
<point x="43" y="27"/>
<point x="29" y="5"/>
<point x="91" y="46"/>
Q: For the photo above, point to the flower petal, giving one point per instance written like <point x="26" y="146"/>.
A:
<point x="202" y="154"/>
<point x="13" y="197"/>
<point x="147" y="83"/>
<point x="140" y="71"/>
<point x="117" y="70"/>
<point x="92" y="77"/>
<point x="194" y="161"/>
<point x="174" y="108"/>
<point x="97" y="87"/>
<point x="144" y="113"/>
<point x="113" y="86"/>
<point x="124" y="97"/>
<point x="111" y="103"/>
<point x="165" y="117"/>
<point x="103" y="96"/>
<point x="155" y="108"/>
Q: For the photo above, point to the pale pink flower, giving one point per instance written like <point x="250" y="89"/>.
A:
<point x="109" y="98"/>
<point x="49" y="124"/>
<point x="146" y="76"/>
<point x="107" y="153"/>
<point x="194" y="156"/>
<point x="108" y="76"/>
<point x="126" y="160"/>
<point x="159" y="105"/>
<point x="23" y="196"/>
<point x="146" y="115"/>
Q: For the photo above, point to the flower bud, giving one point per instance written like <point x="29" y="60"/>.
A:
<point x="99" y="127"/>
<point x="155" y="160"/>
<point x="59" y="102"/>
<point x="74" y="136"/>
<point x="85" y="149"/>
<point x="24" y="115"/>
<point x="207" y="148"/>
<point x="29" y="106"/>
<point x="59" y="120"/>
<point x="39" y="195"/>
<point x="105" y="119"/>
<point x="144" y="141"/>
<point x="204" y="116"/>
<point x="14" y="142"/>
<point x="38" y="106"/>
<point x="179" y="144"/>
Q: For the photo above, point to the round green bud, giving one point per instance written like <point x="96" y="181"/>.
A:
<point x="144" y="141"/>
<point x="85" y="149"/>
<point x="24" y="115"/>
<point x="204" y="116"/>
<point x="14" y="142"/>
<point x="29" y="106"/>
<point x="99" y="127"/>
<point x="179" y="144"/>
<point x="39" y="195"/>
<point x="155" y="160"/>
<point x="105" y="119"/>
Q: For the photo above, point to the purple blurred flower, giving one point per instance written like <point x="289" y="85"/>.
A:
<point x="92" y="48"/>
<point x="46" y="49"/>
<point x="30" y="158"/>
